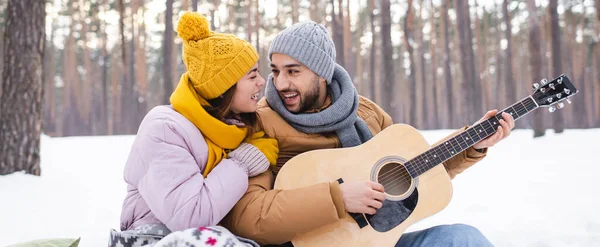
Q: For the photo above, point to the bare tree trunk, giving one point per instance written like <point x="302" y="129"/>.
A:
<point x="596" y="85"/>
<point x="65" y="101"/>
<point x="472" y="101"/>
<point x="498" y="90"/>
<point x="75" y="119"/>
<point x="340" y="21"/>
<point x="141" y="77"/>
<point x="295" y="11"/>
<point x="388" y="81"/>
<point x="349" y="62"/>
<point x="426" y="85"/>
<point x="559" y="122"/>
<point x="86" y="93"/>
<point x="535" y="61"/>
<point x="436" y="89"/>
<point x="126" y="91"/>
<point x="524" y="81"/>
<point x="597" y="3"/>
<point x="71" y="106"/>
<point x="577" y="112"/>
<point x="262" y="50"/>
<point x="115" y="103"/>
<point x="378" y="60"/>
<point x="249" y="27"/>
<point x="597" y="88"/>
<point x="487" y="54"/>
<point x="358" y="58"/>
<point x="337" y="22"/>
<point x="2" y="32"/>
<point x="408" y="33"/>
<point x="360" y="82"/>
<point x="49" y="107"/>
<point x="588" y="85"/>
<point x="167" y="50"/>
<point x="509" y="84"/>
<point x="580" y="59"/>
<point x="22" y="87"/>
<point x="195" y="6"/>
<point x="421" y="85"/>
<point x="175" y="52"/>
<point x="480" y="53"/>
<point x="372" y="81"/>
<point x="315" y="15"/>
<point x="130" y="101"/>
<point x="257" y="26"/>
<point x="447" y="71"/>
<point x="104" y="75"/>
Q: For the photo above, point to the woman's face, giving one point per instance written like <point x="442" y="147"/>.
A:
<point x="245" y="96"/>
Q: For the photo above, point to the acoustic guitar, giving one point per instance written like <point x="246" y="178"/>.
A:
<point x="415" y="181"/>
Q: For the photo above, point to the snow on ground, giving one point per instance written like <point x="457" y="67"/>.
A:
<point x="527" y="192"/>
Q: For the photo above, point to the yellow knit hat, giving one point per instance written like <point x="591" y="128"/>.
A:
<point x="214" y="61"/>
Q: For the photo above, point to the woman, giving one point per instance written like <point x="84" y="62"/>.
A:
<point x="191" y="160"/>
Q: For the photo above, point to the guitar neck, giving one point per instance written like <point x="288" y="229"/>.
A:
<point x="461" y="142"/>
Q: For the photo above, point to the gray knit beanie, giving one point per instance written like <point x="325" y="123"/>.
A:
<point x="310" y="44"/>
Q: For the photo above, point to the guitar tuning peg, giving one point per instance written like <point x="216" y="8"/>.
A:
<point x="569" y="101"/>
<point x="559" y="80"/>
<point x="544" y="81"/>
<point x="536" y="86"/>
<point x="551" y="108"/>
<point x="560" y="105"/>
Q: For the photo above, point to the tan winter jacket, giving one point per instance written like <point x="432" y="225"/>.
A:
<point x="271" y="216"/>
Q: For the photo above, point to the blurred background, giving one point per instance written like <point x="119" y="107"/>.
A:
<point x="429" y="63"/>
<point x="432" y="64"/>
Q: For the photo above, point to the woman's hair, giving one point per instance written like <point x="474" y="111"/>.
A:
<point x="221" y="109"/>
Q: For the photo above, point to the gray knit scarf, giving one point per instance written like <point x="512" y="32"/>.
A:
<point x="340" y="116"/>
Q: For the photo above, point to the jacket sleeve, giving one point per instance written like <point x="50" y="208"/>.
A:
<point x="175" y="189"/>
<point x="272" y="216"/>
<point x="464" y="160"/>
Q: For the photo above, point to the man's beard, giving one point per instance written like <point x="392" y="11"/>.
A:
<point x="309" y="99"/>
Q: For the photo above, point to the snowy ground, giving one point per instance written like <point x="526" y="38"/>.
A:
<point x="527" y="192"/>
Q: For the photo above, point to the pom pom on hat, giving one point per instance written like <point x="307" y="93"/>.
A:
<point x="193" y="26"/>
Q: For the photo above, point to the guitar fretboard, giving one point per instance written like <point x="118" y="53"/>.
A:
<point x="459" y="143"/>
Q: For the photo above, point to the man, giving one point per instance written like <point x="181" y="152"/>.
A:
<point x="311" y="104"/>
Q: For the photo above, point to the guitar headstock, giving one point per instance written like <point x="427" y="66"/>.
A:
<point x="551" y="94"/>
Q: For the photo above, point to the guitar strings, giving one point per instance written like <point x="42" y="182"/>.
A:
<point x="417" y="158"/>
<point x="406" y="176"/>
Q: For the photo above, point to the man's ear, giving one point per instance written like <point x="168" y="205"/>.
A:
<point x="322" y="80"/>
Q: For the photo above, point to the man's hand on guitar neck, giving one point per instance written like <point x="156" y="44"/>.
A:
<point x="506" y="125"/>
<point x="362" y="196"/>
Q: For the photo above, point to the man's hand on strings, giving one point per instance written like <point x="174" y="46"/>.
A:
<point x="503" y="131"/>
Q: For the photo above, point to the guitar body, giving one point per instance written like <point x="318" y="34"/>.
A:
<point x="416" y="184"/>
<point x="379" y="159"/>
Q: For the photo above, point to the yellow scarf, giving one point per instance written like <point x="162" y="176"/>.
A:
<point x="218" y="135"/>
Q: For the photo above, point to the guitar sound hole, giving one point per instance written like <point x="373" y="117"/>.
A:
<point x="395" y="179"/>
<point x="402" y="197"/>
